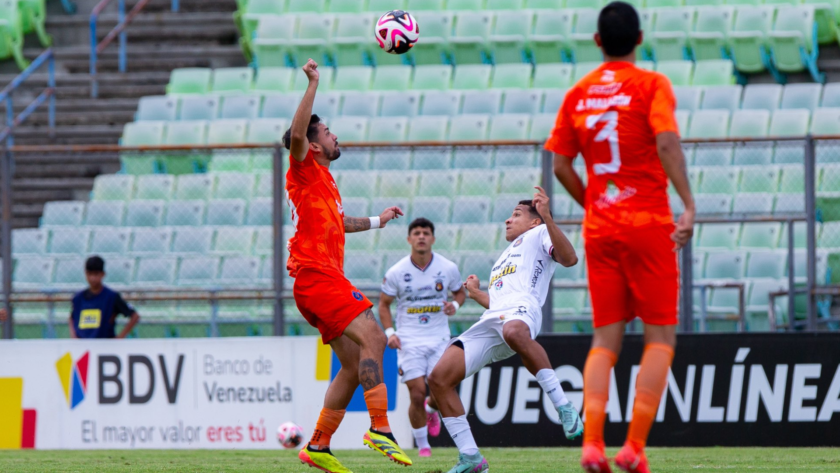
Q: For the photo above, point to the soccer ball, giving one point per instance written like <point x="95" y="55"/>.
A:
<point x="396" y="32"/>
<point x="289" y="434"/>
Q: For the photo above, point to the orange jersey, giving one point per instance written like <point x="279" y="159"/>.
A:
<point x="315" y="205"/>
<point x="611" y="117"/>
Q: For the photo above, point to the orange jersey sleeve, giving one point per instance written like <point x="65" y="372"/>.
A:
<point x="663" y="106"/>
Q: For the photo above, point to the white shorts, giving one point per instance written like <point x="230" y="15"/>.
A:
<point x="484" y="343"/>
<point x="418" y="360"/>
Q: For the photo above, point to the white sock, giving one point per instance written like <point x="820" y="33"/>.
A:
<point x="459" y="430"/>
<point x="430" y="409"/>
<point x="551" y="385"/>
<point x="421" y="437"/>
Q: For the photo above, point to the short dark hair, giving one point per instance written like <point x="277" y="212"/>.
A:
<point x="421" y="223"/>
<point x="311" y="132"/>
<point x="533" y="209"/>
<point x="618" y="25"/>
<point x="95" y="264"/>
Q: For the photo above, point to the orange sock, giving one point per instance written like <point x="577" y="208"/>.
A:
<point x="596" y="391"/>
<point x="377" y="405"/>
<point x="326" y="426"/>
<point x="651" y="382"/>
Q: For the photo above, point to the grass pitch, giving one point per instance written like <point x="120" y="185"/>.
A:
<point x="502" y="460"/>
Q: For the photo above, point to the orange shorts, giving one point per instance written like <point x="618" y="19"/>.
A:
<point x="328" y="301"/>
<point x="633" y="274"/>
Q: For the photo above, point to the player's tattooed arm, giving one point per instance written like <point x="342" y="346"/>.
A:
<point x="356" y="224"/>
<point x="370" y="374"/>
<point x="472" y="285"/>
<point x="673" y="162"/>
<point x="566" y="174"/>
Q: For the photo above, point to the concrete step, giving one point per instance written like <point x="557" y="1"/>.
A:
<point x="68" y="135"/>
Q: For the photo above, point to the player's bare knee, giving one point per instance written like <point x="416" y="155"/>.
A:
<point x="417" y="397"/>
<point x="517" y="336"/>
<point x="438" y="382"/>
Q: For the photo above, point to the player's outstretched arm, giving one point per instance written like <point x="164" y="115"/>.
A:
<point x="567" y="176"/>
<point x="299" y="145"/>
<point x="472" y="286"/>
<point x="673" y="162"/>
<point x="360" y="224"/>
<point x="388" y="321"/>
<point x="563" y="251"/>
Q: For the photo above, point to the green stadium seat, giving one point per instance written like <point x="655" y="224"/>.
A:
<point x="553" y="76"/>
<point x="280" y="106"/>
<point x="726" y="97"/>
<point x="470" y="77"/>
<point x="228" y="132"/>
<point x="198" y="271"/>
<point x="33" y="15"/>
<point x="194" y="187"/>
<point x="469" y="43"/>
<point x="241" y="107"/>
<point x="356" y="159"/>
<point x="264" y="240"/>
<point x="792" y="180"/>
<point x="65" y="213"/>
<point x="553" y="101"/>
<point x="239" y="271"/>
<point x="719" y="180"/>
<point x="581" y="41"/>
<point x="679" y="72"/>
<point x="436" y="184"/>
<point x="504" y="204"/>
<point x="104" y="213"/>
<point x="522" y="101"/>
<point x="425" y="5"/>
<point x="582" y="69"/>
<point x="355" y="78"/>
<point x="541" y="126"/>
<point x="766" y="264"/>
<point x="113" y="187"/>
<point x="663" y="3"/>
<point x="829" y="179"/>
<point x="234" y="185"/>
<point x="432" y="159"/>
<point x="400" y="104"/>
<point x="688" y="98"/>
<point x="382" y="6"/>
<point x="458" y="5"/>
<point x="479" y="237"/>
<point x="391" y="238"/>
<point x="469" y="128"/>
<point x="805" y="96"/>
<point x="477" y="263"/>
<point x="232" y="80"/>
<point x="29" y="241"/>
<point x="185" y="213"/>
<point x="327" y="104"/>
<point x="155" y="108"/>
<point x="428" y="129"/>
<point x="346" y="6"/>
<point x="306" y="6"/>
<point x="759" y="179"/>
<point x="545" y="4"/>
<point x="396" y="78"/>
<point x="432" y="77"/>
<point x="758" y="302"/>
<point x="762" y="97"/>
<point x="364" y="269"/>
<point x="388" y="130"/>
<point x="437" y="29"/>
<point x="471" y="209"/>
<point x="791" y="122"/>
<point x="192" y="240"/>
<point x="519" y="181"/>
<point x="359" y="241"/>
<point x="552" y="31"/>
<point x="314" y="35"/>
<point x="720" y="236"/>
<point x="390" y="160"/>
<point x="396" y="184"/>
<point x="505" y="5"/>
<point x="145" y="213"/>
<point x="156" y="186"/>
<point x="266" y="130"/>
<point x="110" y="241"/>
<point x="507" y="43"/>
<point x="472" y="158"/>
<point x="199" y="107"/>
<point x="250" y="17"/>
<point x="273" y="38"/>
<point x="435" y="209"/>
<point x="510" y="127"/>
<point x="511" y="76"/>
<point x="831" y="95"/>
<point x="749" y="35"/>
<point x="226" y="212"/>
<point x="713" y="154"/>
<point x="708" y="38"/>
<point x="356" y="206"/>
<point x="190" y="80"/>
<point x="682" y="117"/>
<point x="349" y="129"/>
<point x="34" y="273"/>
<point x="713" y="72"/>
<point x="793" y="40"/>
<point x="233" y="241"/>
<point x="669" y="37"/>
<point x="273" y="79"/>
<point x="709" y="124"/>
<point x="150" y="241"/>
<point x="441" y="103"/>
<point x="760" y="235"/>
<point x="141" y="134"/>
<point x="749" y="123"/>
<point x="761" y="204"/>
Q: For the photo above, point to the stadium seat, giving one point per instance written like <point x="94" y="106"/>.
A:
<point x="760" y="235"/>
<point x="479" y="237"/>
<point x="438" y="184"/>
<point x="272" y="39"/>
<point x="471" y="209"/>
<point x="437" y="29"/>
<point x="428" y="129"/>
<point x="228" y="132"/>
<point x="790" y="122"/>
<point x="67" y="213"/>
<point x="511" y="76"/>
<point x="349" y="129"/>
<point x="749" y="35"/>
<point x="350" y="44"/>
<point x="426" y="5"/>
<point x="522" y="101"/>
<point x="192" y="240"/>
<point x="469" y="42"/>
<point x="793" y="41"/>
<point x="826" y="121"/>
<point x="679" y="72"/>
<point x="226" y="212"/>
<point x="582" y="69"/>
<point x="273" y="79"/>
<point x="327" y="104"/>
<point x="396" y="78"/>
<point x="553" y="101"/>
<point x="669" y="36"/>
<point x="541" y="126"/>
<point x="228" y="80"/>
<point x="719" y="180"/>
<point x="240" y="107"/>
<point x="155" y="186"/>
<point x="713" y="154"/>
<point x="708" y="38"/>
<point x="581" y="41"/>
<point x="507" y="43"/>
<point x="313" y="37"/>
<point x="441" y="103"/>
<point x="365" y="269"/>
<point x="190" y="80"/>
<point x="199" y="107"/>
<point x="481" y="102"/>
<point x="766" y="264"/>
<point x="712" y="204"/>
<point x="391" y="238"/>
<point x="476" y="182"/>
<point x="722" y="236"/>
<point x="831" y="95"/>
<point x="471" y="77"/>
<point x="510" y="127"/>
<point x="109" y="241"/>
<point x="29" y="241"/>
<point x="264" y="240"/>
<point x="552" y="30"/>
<point x="33" y="273"/>
<point x="725" y="265"/>
<point x="468" y="128"/>
<point x="400" y="104"/>
<point x="109" y="214"/>
<point x="709" y="124"/>
<point x="805" y="96"/>
<point x="436" y="209"/>
<point x="233" y="241"/>
<point x="553" y="76"/>
<point x="755" y="203"/>
<point x="545" y="4"/>
<point x="266" y="130"/>
<point x="789" y="204"/>
<point x="722" y="98"/>
<point x="759" y="179"/>
<point x="197" y="271"/>
<point x="461" y="5"/>
<point x="682" y="117"/>
<point x="150" y="241"/>
<point x="280" y="106"/>
<point x="519" y="181"/>
<point x="434" y="77"/>
<point x="353" y="78"/>
<point x="185" y="213"/>
<point x="762" y="97"/>
<point x="193" y="187"/>
<point x="156" y="272"/>
<point x="144" y="213"/>
<point x="713" y="72"/>
<point x="155" y="108"/>
<point x="749" y="123"/>
<point x="688" y="98"/>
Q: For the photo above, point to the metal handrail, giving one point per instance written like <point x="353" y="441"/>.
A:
<point x="97" y="47"/>
<point x="7" y="133"/>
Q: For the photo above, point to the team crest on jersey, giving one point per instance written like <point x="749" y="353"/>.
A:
<point x="517" y="242"/>
<point x="407" y="277"/>
<point x="498" y="284"/>
<point x="340" y="208"/>
<point x="358" y="295"/>
<point x="438" y="285"/>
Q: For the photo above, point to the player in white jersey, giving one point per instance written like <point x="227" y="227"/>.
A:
<point x="518" y="285"/>
<point x="420" y="284"/>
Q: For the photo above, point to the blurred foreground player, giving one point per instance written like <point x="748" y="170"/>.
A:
<point x="621" y="119"/>
<point x="324" y="296"/>
<point x="518" y="286"/>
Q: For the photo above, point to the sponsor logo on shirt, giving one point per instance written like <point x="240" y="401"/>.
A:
<point x="509" y="269"/>
<point x="407" y="277"/>
<point x="424" y="310"/>
<point x="610" y="89"/>
<point x="603" y="103"/>
<point x="423" y="319"/>
<point x="537" y="272"/>
<point x="609" y="198"/>
<point x="357" y="295"/>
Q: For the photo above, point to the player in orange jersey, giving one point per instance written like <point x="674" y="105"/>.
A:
<point x="325" y="297"/>
<point x="621" y="119"/>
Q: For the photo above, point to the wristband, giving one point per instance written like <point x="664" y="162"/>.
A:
<point x="457" y="305"/>
<point x="390" y="331"/>
<point x="375" y="222"/>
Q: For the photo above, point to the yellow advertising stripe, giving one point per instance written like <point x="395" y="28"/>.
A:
<point x="64" y="366"/>
<point x="323" y="361"/>
<point x="11" y="412"/>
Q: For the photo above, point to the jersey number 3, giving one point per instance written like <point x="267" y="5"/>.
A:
<point x="608" y="133"/>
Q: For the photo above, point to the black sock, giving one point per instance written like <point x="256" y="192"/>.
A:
<point x="386" y="434"/>
<point x="320" y="450"/>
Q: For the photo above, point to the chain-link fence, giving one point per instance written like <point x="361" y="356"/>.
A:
<point x="203" y="220"/>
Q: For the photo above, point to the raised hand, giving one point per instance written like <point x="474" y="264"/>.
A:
<point x="542" y="203"/>
<point x="389" y="214"/>
<point x="311" y="70"/>
<point x="472" y="284"/>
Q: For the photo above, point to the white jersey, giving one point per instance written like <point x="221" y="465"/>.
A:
<point x="524" y="270"/>
<point x="420" y="294"/>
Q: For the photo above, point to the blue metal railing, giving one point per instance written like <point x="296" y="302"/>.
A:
<point x="7" y="133"/>
<point x="96" y="47"/>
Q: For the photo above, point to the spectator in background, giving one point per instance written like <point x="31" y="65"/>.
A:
<point x="2" y="314"/>
<point x="95" y="310"/>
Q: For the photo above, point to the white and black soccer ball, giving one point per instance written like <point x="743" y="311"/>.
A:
<point x="396" y="32"/>
<point x="289" y="434"/>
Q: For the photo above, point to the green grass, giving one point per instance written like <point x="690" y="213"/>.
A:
<point x="502" y="460"/>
